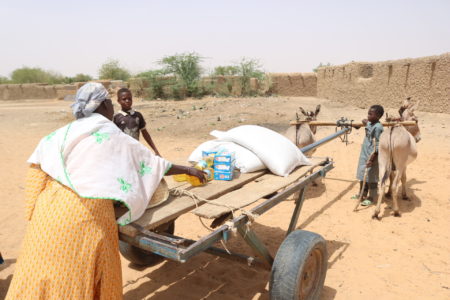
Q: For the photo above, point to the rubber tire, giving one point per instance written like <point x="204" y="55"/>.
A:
<point x="290" y="262"/>
<point x="141" y="257"/>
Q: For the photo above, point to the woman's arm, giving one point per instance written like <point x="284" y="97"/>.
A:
<point x="177" y="169"/>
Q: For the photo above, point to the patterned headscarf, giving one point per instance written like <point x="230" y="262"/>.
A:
<point x="88" y="98"/>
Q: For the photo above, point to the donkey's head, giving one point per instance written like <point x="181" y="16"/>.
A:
<point x="311" y="116"/>
<point x="406" y="112"/>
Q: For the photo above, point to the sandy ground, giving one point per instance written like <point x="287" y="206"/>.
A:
<point x="397" y="258"/>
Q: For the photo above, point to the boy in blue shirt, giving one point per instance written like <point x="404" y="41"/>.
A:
<point x="369" y="155"/>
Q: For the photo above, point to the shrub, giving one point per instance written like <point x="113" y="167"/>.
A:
<point x="320" y="66"/>
<point x="35" y="75"/>
<point x="226" y="70"/>
<point x="157" y="81"/>
<point x="249" y="68"/>
<point x="81" y="78"/>
<point x="186" y="69"/>
<point x="112" y="70"/>
<point x="4" y="80"/>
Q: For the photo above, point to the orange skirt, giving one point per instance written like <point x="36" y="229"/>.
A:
<point x="71" y="247"/>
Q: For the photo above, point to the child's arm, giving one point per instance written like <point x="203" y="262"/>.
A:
<point x="149" y="141"/>
<point x="376" y="138"/>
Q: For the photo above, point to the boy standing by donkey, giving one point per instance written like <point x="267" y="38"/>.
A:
<point x="369" y="156"/>
<point x="130" y="121"/>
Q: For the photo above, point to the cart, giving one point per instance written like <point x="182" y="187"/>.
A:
<point x="299" y="267"/>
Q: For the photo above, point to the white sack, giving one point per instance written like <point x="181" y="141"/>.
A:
<point x="245" y="160"/>
<point x="277" y="152"/>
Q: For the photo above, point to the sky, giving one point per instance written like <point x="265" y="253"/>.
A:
<point x="73" y="37"/>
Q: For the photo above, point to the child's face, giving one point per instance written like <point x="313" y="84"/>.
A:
<point x="125" y="100"/>
<point x="372" y="116"/>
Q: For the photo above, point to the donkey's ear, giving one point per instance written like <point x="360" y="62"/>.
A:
<point x="412" y="108"/>
<point x="303" y="111"/>
<point x="317" y="110"/>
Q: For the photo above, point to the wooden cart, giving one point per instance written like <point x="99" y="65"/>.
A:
<point x="299" y="267"/>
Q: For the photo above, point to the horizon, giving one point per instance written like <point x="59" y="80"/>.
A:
<point x="285" y="36"/>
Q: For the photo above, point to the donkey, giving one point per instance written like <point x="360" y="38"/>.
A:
<point x="303" y="134"/>
<point x="397" y="149"/>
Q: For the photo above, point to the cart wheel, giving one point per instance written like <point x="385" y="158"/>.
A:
<point x="299" y="268"/>
<point x="141" y="257"/>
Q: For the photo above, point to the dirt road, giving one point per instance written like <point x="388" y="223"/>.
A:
<point x="397" y="258"/>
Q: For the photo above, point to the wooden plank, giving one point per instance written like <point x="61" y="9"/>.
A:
<point x="354" y="124"/>
<point x="253" y="191"/>
<point x="176" y="206"/>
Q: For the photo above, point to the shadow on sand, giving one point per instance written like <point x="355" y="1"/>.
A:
<point x="4" y="283"/>
<point x="405" y="206"/>
<point x="209" y="277"/>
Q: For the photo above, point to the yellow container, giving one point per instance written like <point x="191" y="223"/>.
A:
<point x="180" y="177"/>
<point x="194" y="181"/>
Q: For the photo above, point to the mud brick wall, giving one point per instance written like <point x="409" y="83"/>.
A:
<point x="425" y="79"/>
<point x="294" y="84"/>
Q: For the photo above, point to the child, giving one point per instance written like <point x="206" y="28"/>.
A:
<point x="369" y="155"/>
<point x="131" y="121"/>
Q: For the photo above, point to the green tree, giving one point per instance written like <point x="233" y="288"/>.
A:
<point x="112" y="70"/>
<point x="186" y="69"/>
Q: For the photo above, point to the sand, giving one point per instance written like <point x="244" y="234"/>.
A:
<point x="396" y="258"/>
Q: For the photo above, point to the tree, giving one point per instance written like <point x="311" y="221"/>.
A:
<point x="112" y="70"/>
<point x="186" y="68"/>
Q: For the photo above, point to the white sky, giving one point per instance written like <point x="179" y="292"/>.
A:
<point x="286" y="36"/>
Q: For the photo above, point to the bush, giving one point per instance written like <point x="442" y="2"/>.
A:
<point x="157" y="81"/>
<point x="4" y="80"/>
<point x="35" y="75"/>
<point x="81" y="78"/>
<point x="249" y="68"/>
<point x="226" y="71"/>
<point x="186" y="69"/>
<point x="77" y="78"/>
<point x="320" y="66"/>
<point x="112" y="70"/>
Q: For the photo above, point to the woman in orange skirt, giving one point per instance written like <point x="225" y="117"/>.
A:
<point x="70" y="250"/>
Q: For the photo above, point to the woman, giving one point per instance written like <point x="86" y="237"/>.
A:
<point x="70" y="249"/>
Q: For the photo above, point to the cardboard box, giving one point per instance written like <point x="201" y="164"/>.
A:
<point x="223" y="167"/>
<point x="224" y="158"/>
<point x="223" y="175"/>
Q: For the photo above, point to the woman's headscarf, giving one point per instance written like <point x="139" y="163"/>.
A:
<point x="88" y="98"/>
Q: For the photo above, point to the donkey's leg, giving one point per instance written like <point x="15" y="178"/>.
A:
<point x="382" y="172"/>
<point x="395" y="187"/>
<point x="404" y="195"/>
<point x="376" y="212"/>
<point x="391" y="178"/>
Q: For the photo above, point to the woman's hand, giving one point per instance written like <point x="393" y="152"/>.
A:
<point x="197" y="173"/>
